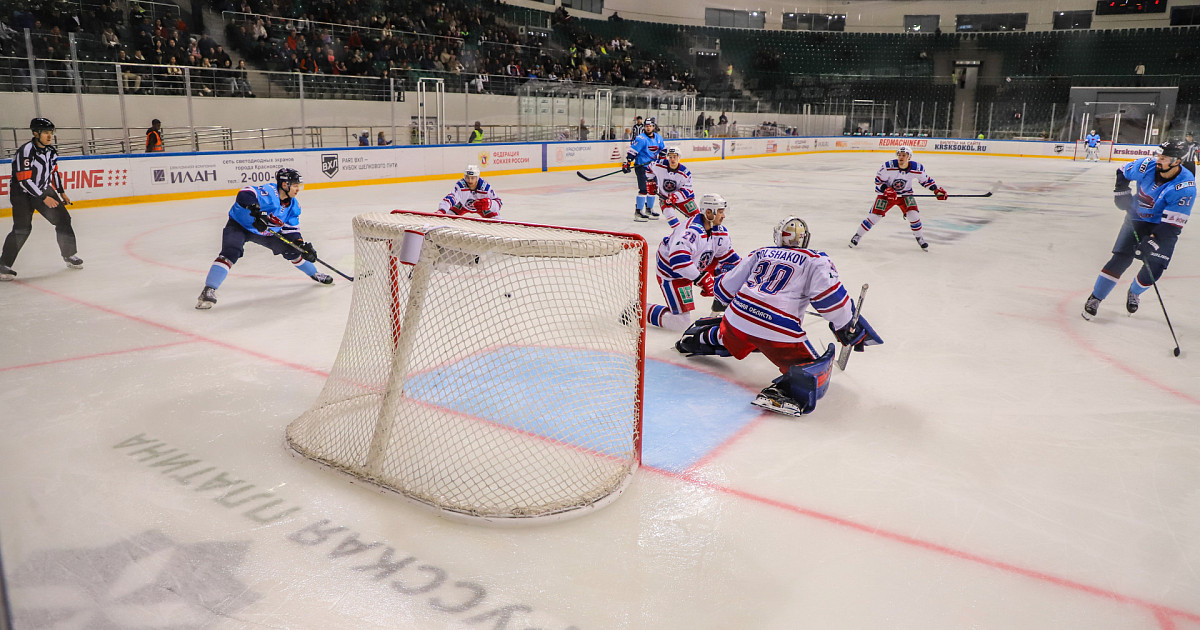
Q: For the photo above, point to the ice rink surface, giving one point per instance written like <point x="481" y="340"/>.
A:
<point x="998" y="463"/>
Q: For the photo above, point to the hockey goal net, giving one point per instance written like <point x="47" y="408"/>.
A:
<point x="1103" y="151"/>
<point x="490" y="370"/>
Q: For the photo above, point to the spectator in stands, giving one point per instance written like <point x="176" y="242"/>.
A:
<point x="381" y="140"/>
<point x="699" y="123"/>
<point x="476" y="134"/>
<point x="241" y="85"/>
<point x="154" y="139"/>
<point x="173" y="78"/>
<point x="364" y="140"/>
<point x="583" y="130"/>
<point x="110" y="41"/>
<point x="133" y="80"/>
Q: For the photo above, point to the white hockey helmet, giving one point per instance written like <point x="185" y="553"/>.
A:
<point x="471" y="171"/>
<point x="904" y="149"/>
<point x="714" y="202"/>
<point x="792" y="232"/>
<point x="673" y="151"/>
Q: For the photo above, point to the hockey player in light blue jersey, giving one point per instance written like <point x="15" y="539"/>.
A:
<point x="1093" y="146"/>
<point x="1155" y="215"/>
<point x="257" y="215"/>
<point x="643" y="151"/>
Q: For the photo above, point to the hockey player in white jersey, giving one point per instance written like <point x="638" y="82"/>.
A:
<point x="894" y="185"/>
<point x="471" y="194"/>
<point x="695" y="252"/>
<point x="768" y="293"/>
<point x="675" y="194"/>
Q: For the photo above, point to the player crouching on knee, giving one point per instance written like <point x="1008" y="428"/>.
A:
<point x="894" y="187"/>
<point x="673" y="183"/>
<point x="471" y="194"/>
<point x="768" y="293"/>
<point x="268" y="215"/>
<point x="695" y="252"/>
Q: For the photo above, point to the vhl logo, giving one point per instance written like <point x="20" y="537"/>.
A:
<point x="160" y="176"/>
<point x="329" y="165"/>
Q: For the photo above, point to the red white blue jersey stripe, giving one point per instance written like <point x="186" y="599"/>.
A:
<point x="690" y="250"/>
<point x="769" y="291"/>
<point x="890" y="175"/>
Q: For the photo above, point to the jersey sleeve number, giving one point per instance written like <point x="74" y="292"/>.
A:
<point x="769" y="277"/>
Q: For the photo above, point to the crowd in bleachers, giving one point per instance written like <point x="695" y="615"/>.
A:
<point x="151" y="41"/>
<point x="456" y="40"/>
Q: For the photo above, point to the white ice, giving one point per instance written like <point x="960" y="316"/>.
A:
<point x="998" y="463"/>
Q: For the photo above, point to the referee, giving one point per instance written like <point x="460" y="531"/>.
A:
<point x="37" y="185"/>
<point x="1189" y="160"/>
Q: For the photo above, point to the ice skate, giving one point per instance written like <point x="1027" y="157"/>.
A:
<point x="854" y="241"/>
<point x="1090" y="307"/>
<point x="322" y="278"/>
<point x="772" y="398"/>
<point x="207" y="298"/>
<point x="923" y="244"/>
<point x="73" y="262"/>
<point x="7" y="274"/>
<point x="1132" y="300"/>
<point x="638" y="215"/>
<point x="654" y="213"/>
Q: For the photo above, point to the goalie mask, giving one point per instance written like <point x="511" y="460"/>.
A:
<point x="792" y="232"/>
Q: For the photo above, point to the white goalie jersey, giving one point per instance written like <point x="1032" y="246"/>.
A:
<point x="769" y="291"/>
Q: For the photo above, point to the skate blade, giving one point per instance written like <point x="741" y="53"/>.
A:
<point x="204" y="306"/>
<point x="786" y="409"/>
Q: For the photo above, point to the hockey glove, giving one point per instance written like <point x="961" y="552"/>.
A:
<point x="651" y="186"/>
<point x="626" y="167"/>
<point x="307" y="251"/>
<point x="940" y="193"/>
<point x="483" y="207"/>
<point x="706" y="283"/>
<point x="849" y="337"/>
<point x="890" y="194"/>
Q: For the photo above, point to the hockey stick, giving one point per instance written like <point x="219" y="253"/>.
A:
<point x="592" y="179"/>
<point x="297" y="248"/>
<point x="1154" y="284"/>
<point x="844" y="357"/>
<point x="986" y="194"/>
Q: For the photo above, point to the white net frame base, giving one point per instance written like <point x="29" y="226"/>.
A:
<point x="1103" y="150"/>
<point x="490" y="370"/>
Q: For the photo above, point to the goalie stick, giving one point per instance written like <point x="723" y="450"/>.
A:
<point x="297" y="248"/>
<point x="592" y="179"/>
<point x="844" y="357"/>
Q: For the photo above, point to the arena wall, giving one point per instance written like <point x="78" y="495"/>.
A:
<point x="140" y="178"/>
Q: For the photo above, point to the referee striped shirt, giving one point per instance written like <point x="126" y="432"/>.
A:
<point x="35" y="170"/>
<point x="1191" y="152"/>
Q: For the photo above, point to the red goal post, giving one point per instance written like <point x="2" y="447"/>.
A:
<point x="490" y="370"/>
<point x="1103" y="151"/>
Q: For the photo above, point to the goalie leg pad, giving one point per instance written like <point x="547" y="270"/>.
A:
<point x="803" y="384"/>
<point x="702" y="338"/>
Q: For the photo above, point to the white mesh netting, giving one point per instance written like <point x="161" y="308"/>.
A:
<point x="499" y="377"/>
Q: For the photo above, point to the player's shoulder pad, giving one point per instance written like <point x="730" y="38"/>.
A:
<point x="891" y="164"/>
<point x="916" y="167"/>
<point x="1142" y="165"/>
<point x="685" y="170"/>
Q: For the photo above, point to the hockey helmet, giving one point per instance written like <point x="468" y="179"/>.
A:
<point x="792" y="232"/>
<point x="713" y="202"/>
<point x="651" y="121"/>
<point x="904" y="149"/>
<point x="673" y="151"/>
<point x="1173" y="149"/>
<point x="287" y="176"/>
<point x="38" y="125"/>
<point x="471" y="171"/>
